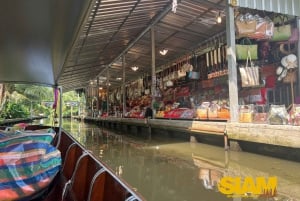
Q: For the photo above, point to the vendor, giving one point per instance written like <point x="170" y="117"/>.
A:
<point x="148" y="113"/>
<point x="184" y="102"/>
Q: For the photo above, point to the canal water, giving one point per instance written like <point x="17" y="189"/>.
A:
<point x="168" y="169"/>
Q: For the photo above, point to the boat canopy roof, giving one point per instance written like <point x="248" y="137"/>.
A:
<point x="36" y="37"/>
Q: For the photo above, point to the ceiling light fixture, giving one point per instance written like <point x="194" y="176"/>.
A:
<point x="163" y="52"/>
<point x="134" y="68"/>
<point x="118" y="78"/>
<point x="219" y="18"/>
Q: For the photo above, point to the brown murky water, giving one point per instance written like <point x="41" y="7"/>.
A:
<point x="168" y="169"/>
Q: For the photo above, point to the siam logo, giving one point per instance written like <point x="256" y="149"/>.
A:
<point x="249" y="187"/>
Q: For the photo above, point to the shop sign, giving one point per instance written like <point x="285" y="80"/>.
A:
<point x="248" y="187"/>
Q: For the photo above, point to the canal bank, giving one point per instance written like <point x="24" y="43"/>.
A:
<point x="271" y="140"/>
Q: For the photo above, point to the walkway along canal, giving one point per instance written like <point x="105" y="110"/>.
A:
<point x="271" y="140"/>
<point x="169" y="168"/>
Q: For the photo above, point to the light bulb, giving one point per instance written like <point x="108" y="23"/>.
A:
<point x="134" y="68"/>
<point x="219" y="18"/>
<point x="163" y="52"/>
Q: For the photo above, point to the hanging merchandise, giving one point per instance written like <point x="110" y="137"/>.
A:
<point x="254" y="26"/>
<point x="264" y="28"/>
<point x="245" y="25"/>
<point x="181" y="73"/>
<point x="282" y="31"/>
<point x="287" y="71"/>
<point x="194" y="75"/>
<point x="169" y="83"/>
<point x="244" y="48"/>
<point x="174" y="6"/>
<point x="249" y="74"/>
<point x="187" y="67"/>
<point x="146" y="84"/>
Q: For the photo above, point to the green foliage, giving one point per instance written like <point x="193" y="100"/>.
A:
<point x="41" y="109"/>
<point x="24" y="100"/>
<point x="35" y="92"/>
<point x="13" y="110"/>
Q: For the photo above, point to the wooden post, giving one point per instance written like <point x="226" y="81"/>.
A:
<point x="225" y="140"/>
<point x="153" y="74"/>
<point x="124" y="87"/>
<point x="232" y="68"/>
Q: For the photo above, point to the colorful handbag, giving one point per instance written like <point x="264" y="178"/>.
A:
<point x="243" y="27"/>
<point x="249" y="74"/>
<point x="282" y="33"/>
<point x="242" y="50"/>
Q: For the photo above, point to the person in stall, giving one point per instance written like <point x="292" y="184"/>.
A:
<point x="148" y="112"/>
<point x="184" y="102"/>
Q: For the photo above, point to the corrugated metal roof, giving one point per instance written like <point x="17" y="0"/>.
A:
<point x="289" y="7"/>
<point x="113" y="27"/>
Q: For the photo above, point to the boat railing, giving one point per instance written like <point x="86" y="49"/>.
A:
<point x="84" y="177"/>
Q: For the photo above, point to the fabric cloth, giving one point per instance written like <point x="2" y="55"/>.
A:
<point x="28" y="163"/>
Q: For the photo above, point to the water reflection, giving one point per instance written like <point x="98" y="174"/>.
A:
<point x="168" y="169"/>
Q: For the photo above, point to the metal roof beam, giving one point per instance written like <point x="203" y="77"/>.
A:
<point x="131" y="44"/>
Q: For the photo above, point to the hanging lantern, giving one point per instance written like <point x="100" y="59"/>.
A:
<point x="174" y="6"/>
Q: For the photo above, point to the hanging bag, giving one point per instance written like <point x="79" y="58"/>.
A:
<point x="264" y="28"/>
<point x="245" y="48"/>
<point x="282" y="31"/>
<point x="249" y="74"/>
<point x="245" y="25"/>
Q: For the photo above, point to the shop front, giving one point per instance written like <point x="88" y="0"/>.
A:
<point x="246" y="79"/>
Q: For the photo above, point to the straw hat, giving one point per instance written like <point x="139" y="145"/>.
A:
<point x="292" y="61"/>
<point x="284" y="62"/>
<point x="289" y="61"/>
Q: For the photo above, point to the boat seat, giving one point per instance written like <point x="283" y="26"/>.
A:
<point x="79" y="184"/>
<point x="64" y="143"/>
<point x="111" y="188"/>
<point x="72" y="154"/>
<point x="105" y="187"/>
<point x="96" y="190"/>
